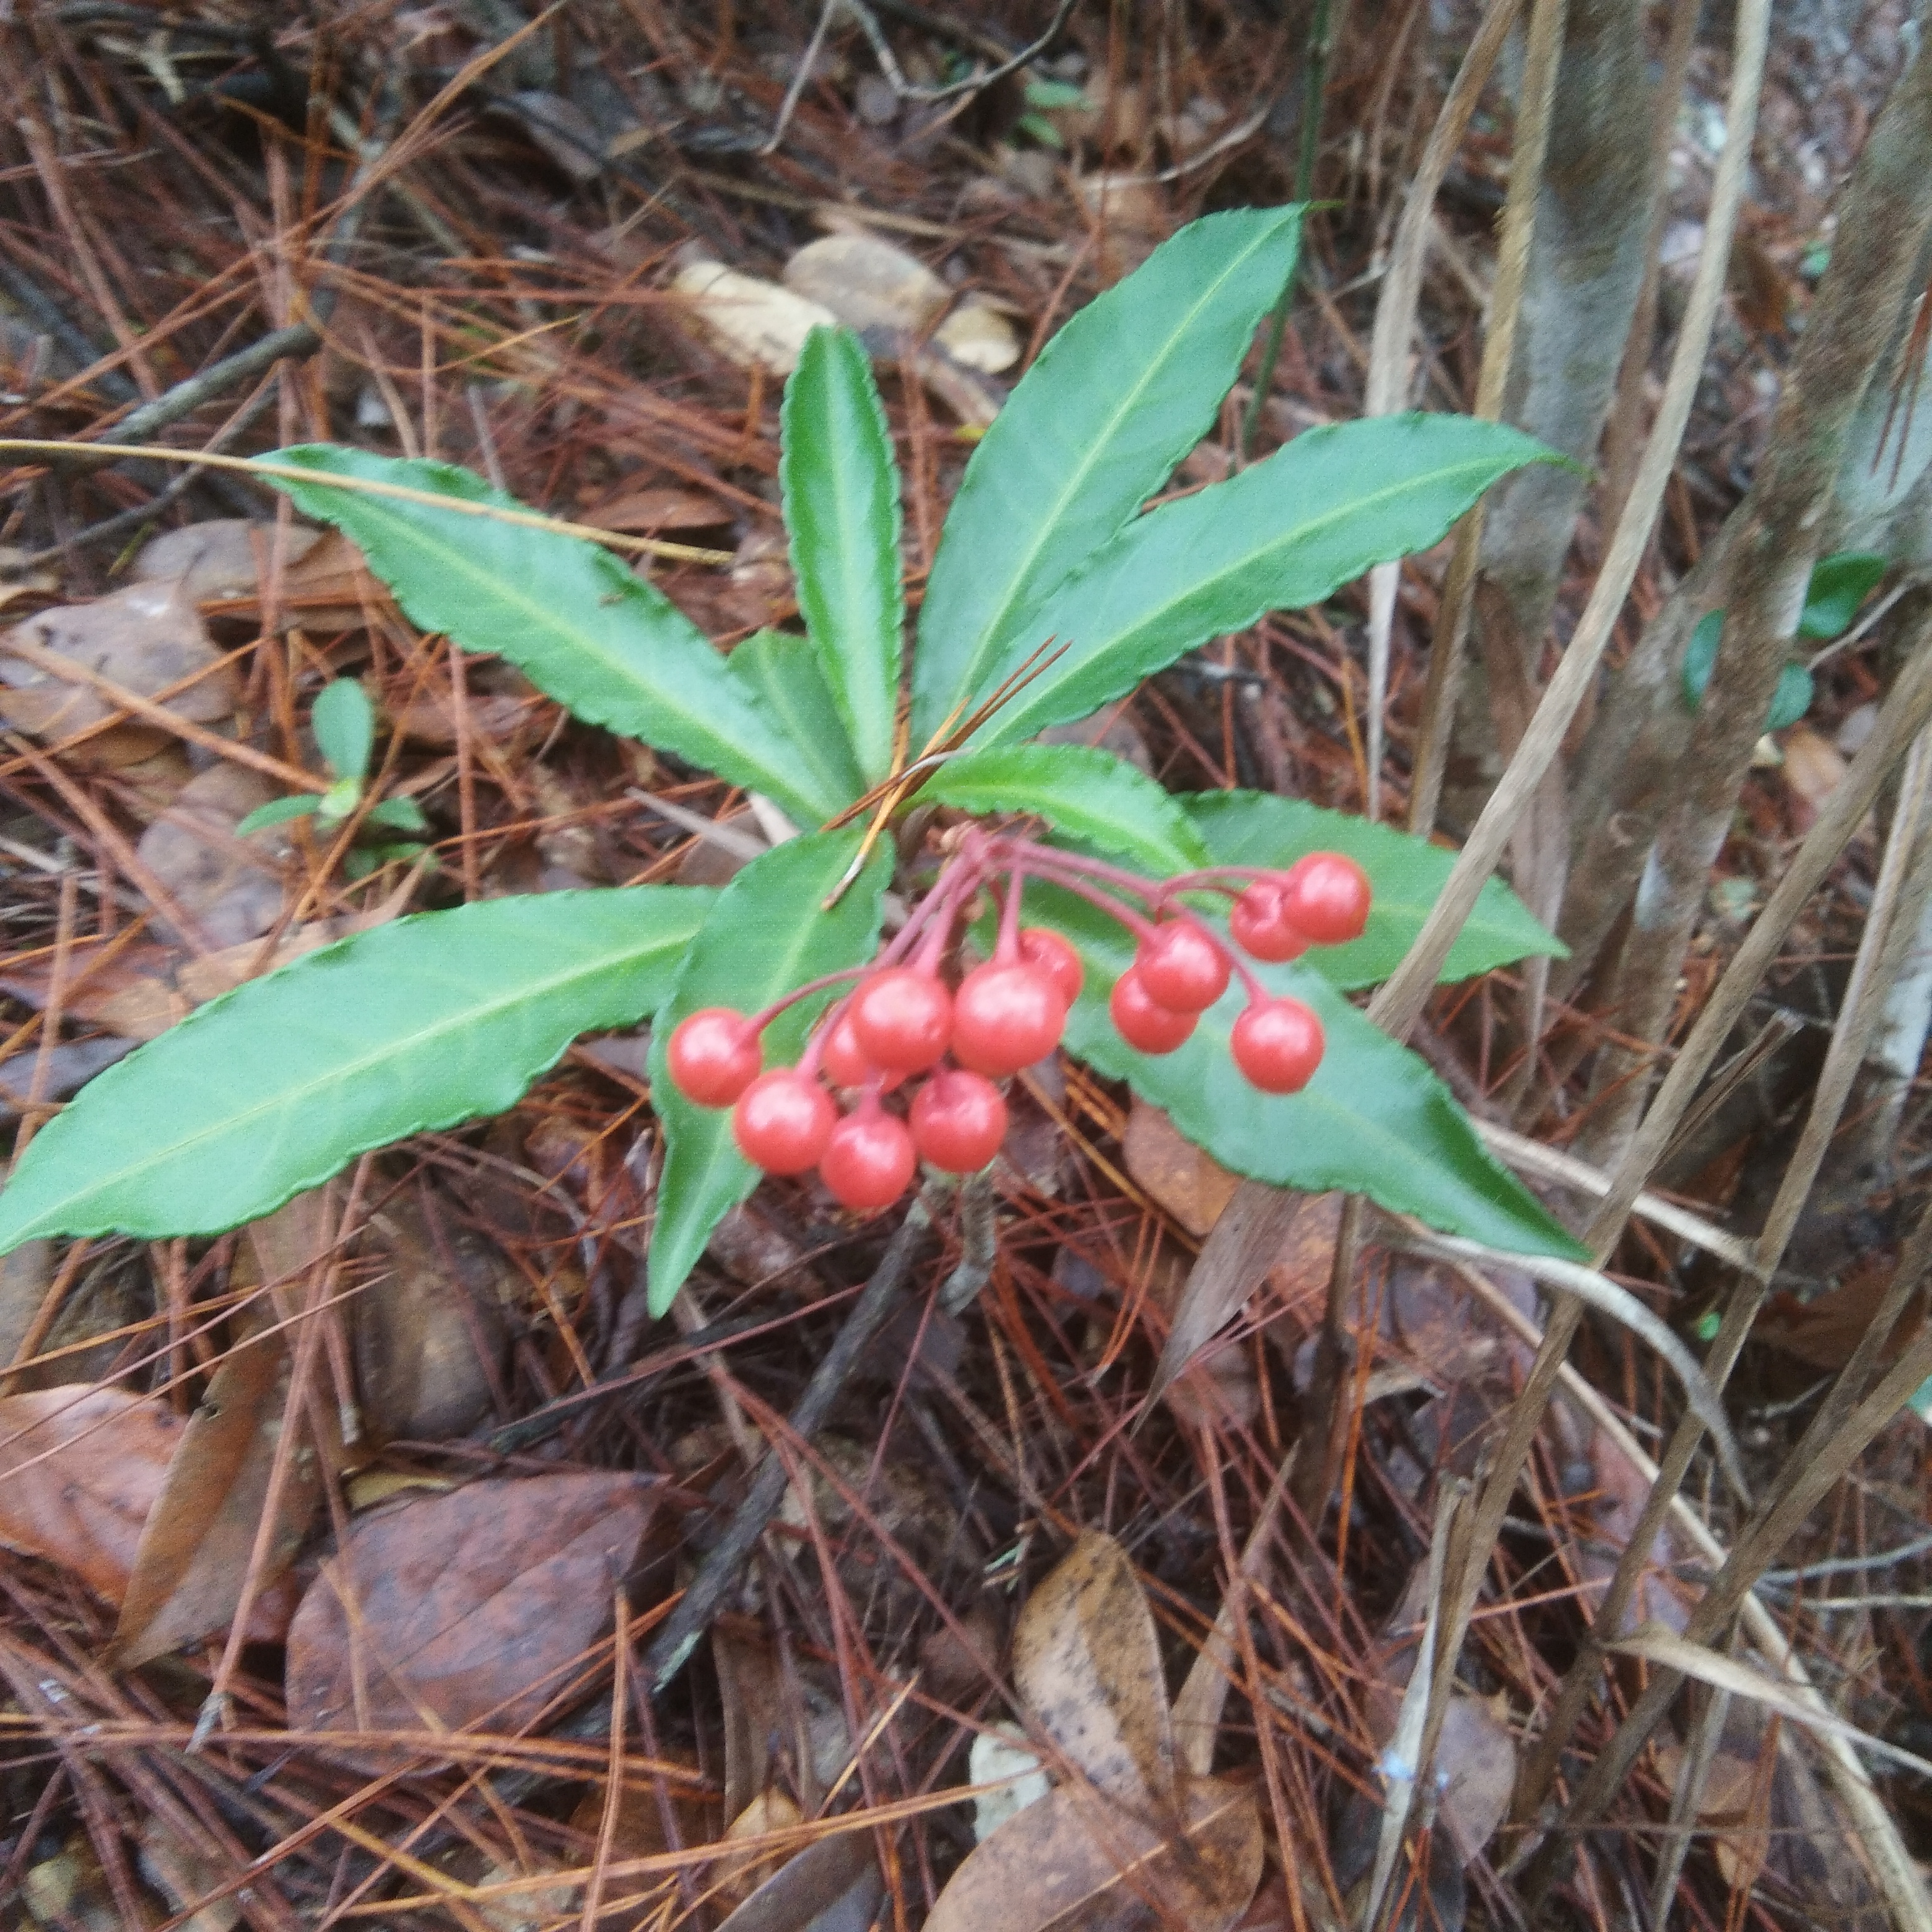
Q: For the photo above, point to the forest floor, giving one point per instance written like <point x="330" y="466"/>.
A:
<point x="482" y="234"/>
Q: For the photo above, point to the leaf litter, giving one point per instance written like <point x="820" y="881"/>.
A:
<point x="996" y="1533"/>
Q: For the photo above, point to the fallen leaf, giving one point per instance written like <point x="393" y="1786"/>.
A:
<point x="219" y="560"/>
<point x="80" y="1467"/>
<point x="70" y="1065"/>
<point x="754" y="323"/>
<point x="1824" y="1330"/>
<point x="1189" y="1184"/>
<point x="659" y="507"/>
<point x="184" y="1876"/>
<point x="229" y="886"/>
<point x="195" y="1550"/>
<point x="1814" y="768"/>
<point x="1475" y="1766"/>
<point x="1086" y="1664"/>
<point x="1000" y="1757"/>
<point x="468" y="1608"/>
<point x="739" y="1874"/>
<point x="831" y="1886"/>
<point x="868" y="283"/>
<point x="1075" y="1860"/>
<point x="146" y="638"/>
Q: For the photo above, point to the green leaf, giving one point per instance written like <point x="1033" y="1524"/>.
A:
<point x="1252" y="828"/>
<point x="1087" y="794"/>
<point x="1284" y="533"/>
<point x="575" y="619"/>
<point x="841" y="505"/>
<point x="398" y="814"/>
<point x="339" y="801"/>
<point x="344" y="724"/>
<point x="1789" y="701"/>
<point x="781" y="673"/>
<point x="1094" y="429"/>
<point x="278" y="811"/>
<point x="1374" y="1120"/>
<point x="768" y="933"/>
<point x="1840" y="584"/>
<point x="270" y="1089"/>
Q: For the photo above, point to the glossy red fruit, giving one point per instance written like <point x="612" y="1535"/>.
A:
<point x="1055" y="957"/>
<point x="783" y="1121"/>
<point x="902" y="1019"/>
<point x="1278" y="1044"/>
<point x="1005" y="1018"/>
<point x="844" y="1061"/>
<point x="1259" y="923"/>
<point x="1182" y="967"/>
<point x="1326" y="895"/>
<point x="958" y="1120"/>
<point x="714" y="1056"/>
<point x="1142" y="1020"/>
<point x="868" y="1159"/>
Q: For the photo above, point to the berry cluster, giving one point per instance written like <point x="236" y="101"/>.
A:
<point x="902" y="1018"/>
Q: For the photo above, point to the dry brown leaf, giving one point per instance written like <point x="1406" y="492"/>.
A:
<point x="194" y="1552"/>
<point x="1824" y="1330"/>
<point x="868" y="283"/>
<point x="1814" y="768"/>
<point x="754" y="322"/>
<point x="184" y="1875"/>
<point x="220" y="560"/>
<point x="327" y="589"/>
<point x="80" y="1467"/>
<point x="1075" y="1863"/>
<point x="829" y="1887"/>
<point x="741" y="1873"/>
<point x="978" y="337"/>
<point x="662" y="506"/>
<point x="1088" y="1666"/>
<point x="145" y="638"/>
<point x="470" y="1608"/>
<point x="1189" y="1184"/>
<point x="230" y="887"/>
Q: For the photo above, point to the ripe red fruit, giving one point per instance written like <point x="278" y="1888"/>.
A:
<point x="868" y="1159"/>
<point x="1182" y="967"/>
<point x="1278" y="1045"/>
<point x="1326" y="895"/>
<point x="958" y="1120"/>
<point x="783" y="1121"/>
<point x="1055" y="957"/>
<point x="1142" y="1021"/>
<point x="902" y="1019"/>
<point x="1260" y="923"/>
<point x="1006" y="1017"/>
<point x="714" y="1056"/>
<point x="844" y="1059"/>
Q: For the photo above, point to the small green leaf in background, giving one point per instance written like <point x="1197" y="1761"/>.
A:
<point x="1840" y="584"/>
<point x="398" y="814"/>
<point x="782" y="674"/>
<point x="435" y="1018"/>
<point x="1085" y="793"/>
<point x="279" y="811"/>
<point x="1094" y="429"/>
<point x="1789" y="701"/>
<point x="344" y="724"/>
<point x="340" y="800"/>
<point x="1374" y="1120"/>
<point x="1253" y="828"/>
<point x="1283" y="533"/>
<point x="580" y="623"/>
<point x="767" y="933"/>
<point x="841" y="505"/>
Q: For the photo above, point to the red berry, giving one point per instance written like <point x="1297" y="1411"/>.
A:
<point x="869" y="1158"/>
<point x="843" y="1059"/>
<point x="958" y="1120"/>
<point x="902" y="1019"/>
<point x="1006" y="1017"/>
<point x="1182" y="968"/>
<point x="1041" y="947"/>
<point x="714" y="1056"/>
<point x="1326" y="895"/>
<point x="1143" y="1022"/>
<point x="782" y="1121"/>
<point x="1278" y="1045"/>
<point x="1260" y="924"/>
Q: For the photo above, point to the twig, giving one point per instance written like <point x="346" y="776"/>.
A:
<point x="679" y="1635"/>
<point x="895" y="79"/>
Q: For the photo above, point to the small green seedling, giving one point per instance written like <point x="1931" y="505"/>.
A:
<point x="344" y="724"/>
<point x="1097" y="900"/>
<point x="1839" y="584"/>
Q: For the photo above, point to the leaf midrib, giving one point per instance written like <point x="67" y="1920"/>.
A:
<point x="346" y="1072"/>
<point x="990" y="632"/>
<point x="1044" y="687"/>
